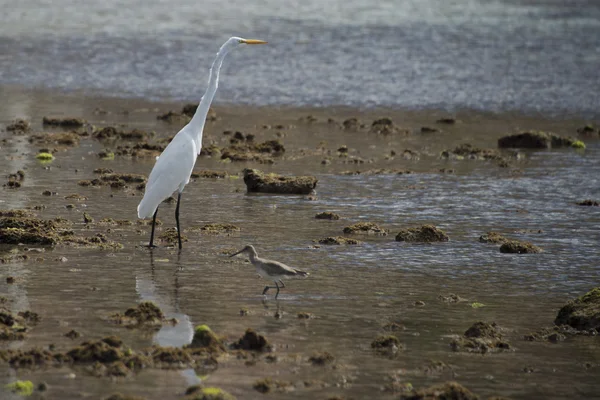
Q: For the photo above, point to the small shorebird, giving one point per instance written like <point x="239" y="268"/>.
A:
<point x="269" y="269"/>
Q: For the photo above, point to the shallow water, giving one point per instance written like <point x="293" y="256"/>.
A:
<point x="492" y="55"/>
<point x="352" y="290"/>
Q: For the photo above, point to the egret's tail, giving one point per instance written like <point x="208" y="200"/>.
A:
<point x="146" y="208"/>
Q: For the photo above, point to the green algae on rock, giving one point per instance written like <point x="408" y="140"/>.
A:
<point x="369" y="228"/>
<point x="258" y="182"/>
<point x="205" y="338"/>
<point x="481" y="337"/>
<point x="422" y="234"/>
<point x="582" y="313"/>
<point x="519" y="247"/>
<point x="209" y="393"/>
<point x="535" y="140"/>
<point x="22" y="388"/>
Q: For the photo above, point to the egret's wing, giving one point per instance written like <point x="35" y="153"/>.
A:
<point x="278" y="269"/>
<point x="171" y="171"/>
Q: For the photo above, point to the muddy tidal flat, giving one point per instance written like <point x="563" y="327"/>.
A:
<point x="449" y="254"/>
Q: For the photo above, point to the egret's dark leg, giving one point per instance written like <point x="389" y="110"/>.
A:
<point x="266" y="290"/>
<point x="177" y="218"/>
<point x="151" y="245"/>
<point x="277" y="286"/>
<point x="282" y="284"/>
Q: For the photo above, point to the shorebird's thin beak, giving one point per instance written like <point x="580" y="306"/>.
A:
<point x="235" y="254"/>
<point x="253" y="41"/>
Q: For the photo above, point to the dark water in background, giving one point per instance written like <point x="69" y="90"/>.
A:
<point x="532" y="56"/>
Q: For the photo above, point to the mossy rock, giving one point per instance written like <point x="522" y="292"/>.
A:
<point x="423" y="234"/>
<point x="252" y="341"/>
<point x="492" y="237"/>
<point x="385" y="126"/>
<point x="468" y="151"/>
<point x="22" y="388"/>
<point x="518" y="247"/>
<point x="582" y="313"/>
<point x="321" y="358"/>
<point x="481" y="337"/>
<point x="145" y="314"/>
<point x="327" y="215"/>
<point x="385" y="341"/>
<point x="258" y="182"/>
<point x="64" y="122"/>
<point x="219" y="228"/>
<point x="534" y="140"/>
<point x="588" y="203"/>
<point x="209" y="393"/>
<point x="120" y="396"/>
<point x="22" y="236"/>
<point x="170" y="236"/>
<point x="18" y="126"/>
<point x="370" y="228"/>
<point x="205" y="338"/>
<point x="444" y="391"/>
<point x="339" y="240"/>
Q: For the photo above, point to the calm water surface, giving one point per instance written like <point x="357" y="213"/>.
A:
<point x="494" y="55"/>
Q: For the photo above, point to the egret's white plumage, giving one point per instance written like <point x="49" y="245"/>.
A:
<point x="174" y="166"/>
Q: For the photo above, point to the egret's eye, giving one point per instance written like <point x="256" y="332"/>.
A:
<point x="240" y="41"/>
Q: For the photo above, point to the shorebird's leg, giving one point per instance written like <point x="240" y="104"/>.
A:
<point x="282" y="284"/>
<point x="266" y="289"/>
<point x="177" y="219"/>
<point x="151" y="245"/>
<point x="277" y="286"/>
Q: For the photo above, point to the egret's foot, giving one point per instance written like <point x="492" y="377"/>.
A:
<point x="151" y="246"/>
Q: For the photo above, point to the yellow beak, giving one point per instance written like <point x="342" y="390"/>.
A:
<point x="253" y="41"/>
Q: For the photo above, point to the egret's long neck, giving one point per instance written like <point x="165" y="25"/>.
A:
<point x="197" y="123"/>
<point x="253" y="255"/>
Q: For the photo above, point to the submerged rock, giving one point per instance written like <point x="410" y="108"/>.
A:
<point x="492" y="237"/>
<point x="370" y="228"/>
<point x="473" y="153"/>
<point x="117" y="181"/>
<point x="64" y="122"/>
<point x="210" y="174"/>
<point x="251" y="341"/>
<point x="170" y="236"/>
<point x="385" y="126"/>
<point x="145" y="314"/>
<point x="380" y="171"/>
<point x="18" y="126"/>
<point x="327" y="215"/>
<point x="447" y="121"/>
<point x="518" y="247"/>
<point x="15" y="326"/>
<point x="481" y="337"/>
<point x="62" y="139"/>
<point x="444" y="391"/>
<point x="216" y="229"/>
<point x="588" y="203"/>
<point x="321" y="358"/>
<point x="258" y="182"/>
<point x="535" y="140"/>
<point x="387" y="341"/>
<point x="338" y="240"/>
<point x="423" y="234"/>
<point x="588" y="130"/>
<point x="582" y="313"/>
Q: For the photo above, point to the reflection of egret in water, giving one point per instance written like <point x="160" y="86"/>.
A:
<point x="169" y="335"/>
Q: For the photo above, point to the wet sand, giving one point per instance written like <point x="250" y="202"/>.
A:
<point x="353" y="291"/>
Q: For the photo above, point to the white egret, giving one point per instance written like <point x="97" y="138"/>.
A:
<point x="174" y="166"/>
<point x="269" y="269"/>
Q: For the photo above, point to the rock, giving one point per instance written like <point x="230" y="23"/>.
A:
<point x="366" y="228"/>
<point x="351" y="124"/>
<point x="481" y="337"/>
<point x="589" y="203"/>
<point x="447" y="121"/>
<point x="146" y="314"/>
<point x="251" y="341"/>
<point x="109" y="132"/>
<point x="534" y="140"/>
<point x="205" y="338"/>
<point x="428" y="129"/>
<point x="451" y="298"/>
<point x="327" y="215"/>
<point x="492" y="237"/>
<point x="18" y="126"/>
<point x="387" y="341"/>
<point x="210" y="174"/>
<point x="385" y="126"/>
<point x="269" y="385"/>
<point x="172" y="116"/>
<point x="468" y="151"/>
<point x="321" y="358"/>
<point x="445" y="391"/>
<point x="190" y="110"/>
<point x="585" y="130"/>
<point x="338" y="240"/>
<point x="209" y="393"/>
<point x="423" y="234"/>
<point x="518" y="247"/>
<point x="380" y="171"/>
<point x="219" y="229"/>
<point x="64" y="122"/>
<point x="259" y="182"/>
<point x="582" y="313"/>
